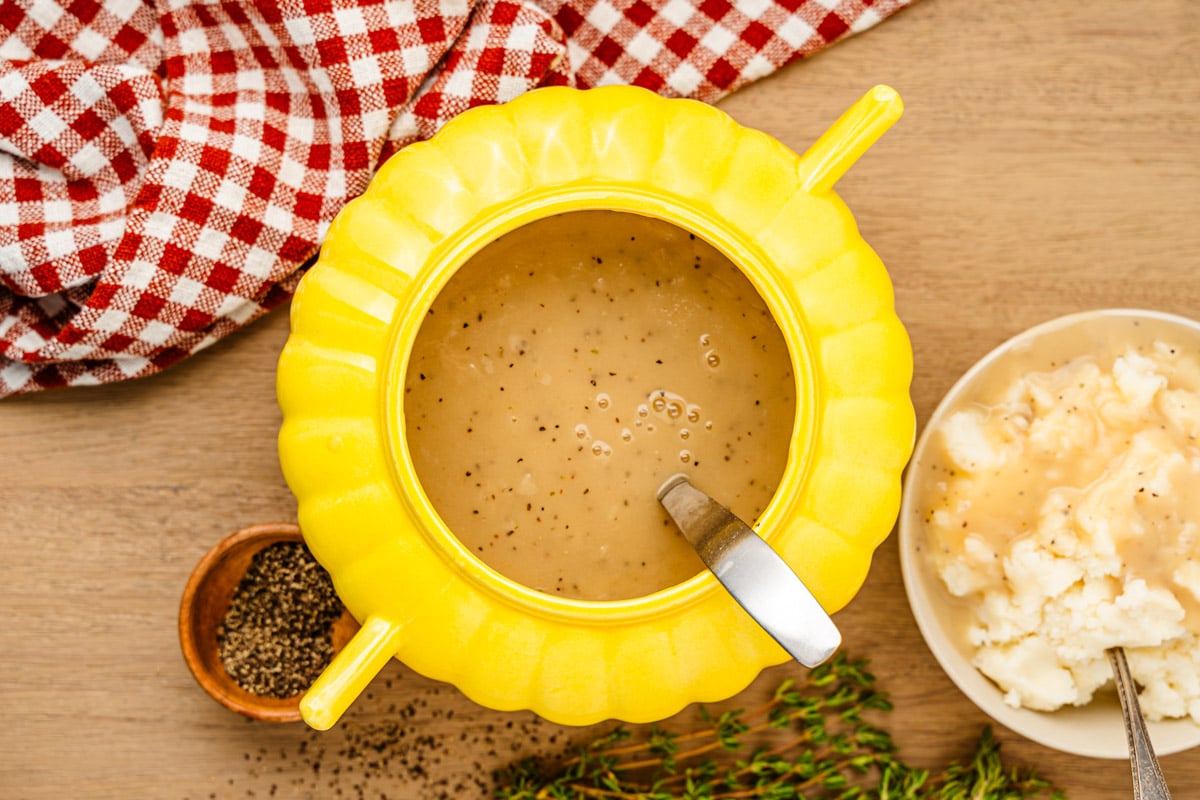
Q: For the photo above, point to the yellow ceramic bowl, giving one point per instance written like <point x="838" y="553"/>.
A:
<point x="424" y="598"/>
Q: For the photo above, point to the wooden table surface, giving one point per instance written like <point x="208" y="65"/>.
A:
<point x="1048" y="162"/>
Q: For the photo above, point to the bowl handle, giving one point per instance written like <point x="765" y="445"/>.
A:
<point x="349" y="673"/>
<point x="848" y="138"/>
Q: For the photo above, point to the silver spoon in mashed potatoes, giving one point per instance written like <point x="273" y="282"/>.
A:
<point x="1148" y="780"/>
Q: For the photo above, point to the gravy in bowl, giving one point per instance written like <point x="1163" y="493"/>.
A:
<point x="570" y="367"/>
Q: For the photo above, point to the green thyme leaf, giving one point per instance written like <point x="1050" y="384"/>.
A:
<point x="822" y="744"/>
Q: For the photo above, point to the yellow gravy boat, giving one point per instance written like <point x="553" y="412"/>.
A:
<point x="421" y="596"/>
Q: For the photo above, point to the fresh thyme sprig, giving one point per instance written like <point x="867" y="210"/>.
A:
<point x="818" y="745"/>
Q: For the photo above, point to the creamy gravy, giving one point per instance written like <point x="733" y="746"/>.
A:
<point x="1065" y="437"/>
<point x="568" y="369"/>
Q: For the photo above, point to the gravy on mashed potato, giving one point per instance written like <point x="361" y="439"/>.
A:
<point x="1064" y="507"/>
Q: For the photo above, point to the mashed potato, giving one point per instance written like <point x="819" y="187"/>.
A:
<point x="1066" y="513"/>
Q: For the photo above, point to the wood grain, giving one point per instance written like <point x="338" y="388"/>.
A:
<point x="1047" y="162"/>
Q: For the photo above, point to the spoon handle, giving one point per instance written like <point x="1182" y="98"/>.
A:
<point x="1148" y="781"/>
<point x="753" y="573"/>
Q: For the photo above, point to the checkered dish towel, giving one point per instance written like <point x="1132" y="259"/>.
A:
<point x="167" y="169"/>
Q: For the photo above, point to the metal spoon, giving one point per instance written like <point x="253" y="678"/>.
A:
<point x="752" y="572"/>
<point x="1148" y="781"/>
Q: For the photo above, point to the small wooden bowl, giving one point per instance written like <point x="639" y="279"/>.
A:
<point x="206" y="600"/>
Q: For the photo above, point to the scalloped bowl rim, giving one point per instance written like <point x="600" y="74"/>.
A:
<point x="448" y="640"/>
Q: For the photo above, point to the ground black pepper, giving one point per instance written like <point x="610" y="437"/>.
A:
<point x="275" y="639"/>
<point x="407" y="738"/>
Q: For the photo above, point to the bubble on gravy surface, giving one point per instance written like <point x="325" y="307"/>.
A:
<point x="569" y="368"/>
<point x="1063" y="507"/>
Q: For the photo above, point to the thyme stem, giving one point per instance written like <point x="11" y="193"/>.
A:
<point x="829" y="749"/>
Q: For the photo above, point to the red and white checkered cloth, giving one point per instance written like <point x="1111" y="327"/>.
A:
<point x="167" y="169"/>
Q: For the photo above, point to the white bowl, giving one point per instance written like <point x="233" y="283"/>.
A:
<point x="1094" y="730"/>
